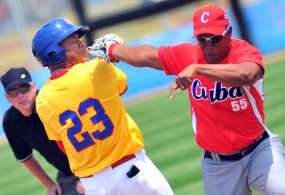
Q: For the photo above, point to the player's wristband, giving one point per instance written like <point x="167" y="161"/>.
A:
<point x="110" y="51"/>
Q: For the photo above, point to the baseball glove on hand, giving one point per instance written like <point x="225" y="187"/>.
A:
<point x="103" y="47"/>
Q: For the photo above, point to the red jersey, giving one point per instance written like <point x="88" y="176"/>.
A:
<point x="225" y="119"/>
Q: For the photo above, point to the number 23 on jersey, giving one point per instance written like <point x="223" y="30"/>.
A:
<point x="87" y="136"/>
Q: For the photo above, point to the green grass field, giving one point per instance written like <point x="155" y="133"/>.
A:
<point x="166" y="126"/>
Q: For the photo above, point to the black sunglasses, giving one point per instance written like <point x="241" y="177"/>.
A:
<point x="14" y="92"/>
<point x="213" y="40"/>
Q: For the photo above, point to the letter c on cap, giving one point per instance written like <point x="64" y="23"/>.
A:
<point x="204" y="17"/>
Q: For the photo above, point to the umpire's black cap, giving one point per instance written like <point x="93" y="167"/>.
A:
<point x="15" y="76"/>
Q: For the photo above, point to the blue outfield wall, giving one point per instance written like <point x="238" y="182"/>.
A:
<point x="266" y="24"/>
<point x="267" y="31"/>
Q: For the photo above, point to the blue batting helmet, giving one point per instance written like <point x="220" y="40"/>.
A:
<point x="45" y="45"/>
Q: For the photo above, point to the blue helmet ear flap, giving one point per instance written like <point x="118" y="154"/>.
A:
<point x="53" y="55"/>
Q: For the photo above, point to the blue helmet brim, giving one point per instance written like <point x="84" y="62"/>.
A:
<point x="82" y="30"/>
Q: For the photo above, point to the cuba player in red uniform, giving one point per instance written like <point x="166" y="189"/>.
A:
<point x="224" y="79"/>
<point x="81" y="107"/>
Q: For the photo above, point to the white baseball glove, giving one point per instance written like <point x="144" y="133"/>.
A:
<point x="103" y="46"/>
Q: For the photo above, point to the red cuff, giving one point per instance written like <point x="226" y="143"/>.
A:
<point x="61" y="146"/>
<point x="110" y="51"/>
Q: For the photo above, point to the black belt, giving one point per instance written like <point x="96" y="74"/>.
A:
<point x="240" y="154"/>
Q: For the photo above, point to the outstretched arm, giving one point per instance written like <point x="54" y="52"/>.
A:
<point x="232" y="74"/>
<point x="229" y="74"/>
<point x="141" y="56"/>
<point x="110" y="47"/>
<point x="35" y="168"/>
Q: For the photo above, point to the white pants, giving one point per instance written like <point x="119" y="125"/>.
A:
<point x="149" y="180"/>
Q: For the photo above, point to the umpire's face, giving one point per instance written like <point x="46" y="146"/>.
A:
<point x="22" y="97"/>
<point x="76" y="50"/>
<point x="215" y="47"/>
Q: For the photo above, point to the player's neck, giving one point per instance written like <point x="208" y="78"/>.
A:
<point x="56" y="67"/>
<point x="58" y="73"/>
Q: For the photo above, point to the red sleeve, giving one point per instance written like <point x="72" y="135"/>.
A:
<point x="61" y="146"/>
<point x="248" y="53"/>
<point x="175" y="58"/>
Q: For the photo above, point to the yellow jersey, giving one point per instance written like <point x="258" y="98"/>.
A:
<point x="83" y="109"/>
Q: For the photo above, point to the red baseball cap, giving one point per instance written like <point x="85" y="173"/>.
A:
<point x="210" y="19"/>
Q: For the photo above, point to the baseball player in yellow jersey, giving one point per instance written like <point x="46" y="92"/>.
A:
<point x="80" y="106"/>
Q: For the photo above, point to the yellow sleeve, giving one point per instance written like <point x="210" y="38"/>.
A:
<point x="121" y="80"/>
<point x="102" y="70"/>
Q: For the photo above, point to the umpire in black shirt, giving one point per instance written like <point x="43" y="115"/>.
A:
<point x="25" y="132"/>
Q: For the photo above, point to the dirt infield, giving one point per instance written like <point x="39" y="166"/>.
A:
<point x="2" y="139"/>
<point x="274" y="57"/>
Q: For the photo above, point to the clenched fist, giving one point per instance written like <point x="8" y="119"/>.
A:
<point x="103" y="47"/>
